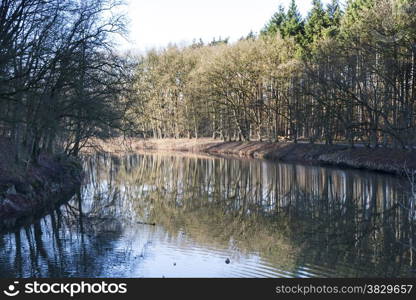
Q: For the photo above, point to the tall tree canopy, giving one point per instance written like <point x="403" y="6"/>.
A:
<point x="60" y="81"/>
<point x="331" y="77"/>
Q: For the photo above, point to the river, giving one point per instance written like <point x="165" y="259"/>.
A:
<point x="177" y="215"/>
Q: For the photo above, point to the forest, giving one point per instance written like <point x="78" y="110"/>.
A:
<point x="61" y="81"/>
<point x="289" y="152"/>
<point x="345" y="73"/>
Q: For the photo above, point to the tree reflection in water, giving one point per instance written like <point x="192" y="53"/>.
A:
<point x="290" y="220"/>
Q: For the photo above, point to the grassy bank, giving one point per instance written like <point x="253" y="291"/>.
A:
<point x="29" y="192"/>
<point x="380" y="159"/>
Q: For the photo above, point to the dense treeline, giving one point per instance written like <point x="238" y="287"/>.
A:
<point x="60" y="82"/>
<point x="342" y="74"/>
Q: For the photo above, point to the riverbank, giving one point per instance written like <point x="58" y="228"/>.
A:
<point x="27" y="194"/>
<point x="381" y="159"/>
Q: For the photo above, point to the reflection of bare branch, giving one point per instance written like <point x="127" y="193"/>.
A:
<point x="283" y="211"/>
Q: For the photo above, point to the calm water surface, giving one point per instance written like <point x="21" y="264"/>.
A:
<point x="268" y="219"/>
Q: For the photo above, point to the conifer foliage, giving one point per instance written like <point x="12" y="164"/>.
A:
<point x="344" y="73"/>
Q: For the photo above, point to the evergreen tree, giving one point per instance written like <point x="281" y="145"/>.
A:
<point x="334" y="13"/>
<point x="293" y="25"/>
<point x="220" y="41"/>
<point x="275" y="24"/>
<point x="354" y="12"/>
<point x="316" y="23"/>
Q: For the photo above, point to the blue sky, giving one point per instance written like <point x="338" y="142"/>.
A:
<point x="156" y="23"/>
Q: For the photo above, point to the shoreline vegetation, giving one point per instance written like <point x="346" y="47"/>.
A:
<point x="342" y="78"/>
<point x="29" y="193"/>
<point x="395" y="161"/>
<point x="61" y="83"/>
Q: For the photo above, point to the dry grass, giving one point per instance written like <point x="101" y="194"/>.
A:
<point x="381" y="159"/>
<point x="386" y="160"/>
<point x="121" y="145"/>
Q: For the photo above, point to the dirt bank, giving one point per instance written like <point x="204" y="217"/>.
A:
<point x="28" y="194"/>
<point x="380" y="159"/>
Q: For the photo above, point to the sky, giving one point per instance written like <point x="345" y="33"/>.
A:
<point x="156" y="23"/>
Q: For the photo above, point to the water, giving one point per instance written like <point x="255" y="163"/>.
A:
<point x="268" y="219"/>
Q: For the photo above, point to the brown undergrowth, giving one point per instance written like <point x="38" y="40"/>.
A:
<point x="379" y="159"/>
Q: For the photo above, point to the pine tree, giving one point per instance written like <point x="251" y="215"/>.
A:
<point x="316" y="23"/>
<point x="354" y="12"/>
<point x="293" y="24"/>
<point x="334" y="13"/>
<point x="275" y="24"/>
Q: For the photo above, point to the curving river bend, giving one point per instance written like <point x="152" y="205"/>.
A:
<point x="172" y="215"/>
